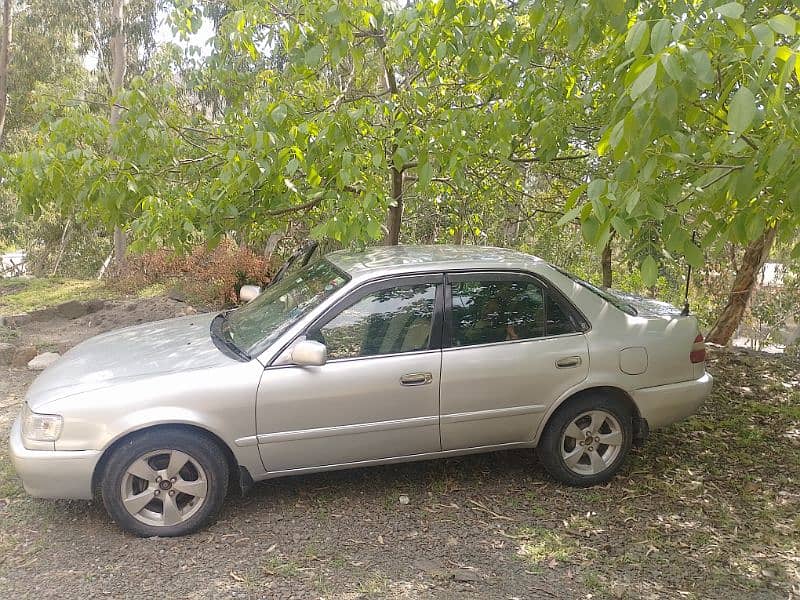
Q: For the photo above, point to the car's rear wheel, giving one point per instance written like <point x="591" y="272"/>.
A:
<point x="587" y="440"/>
<point x="165" y="483"/>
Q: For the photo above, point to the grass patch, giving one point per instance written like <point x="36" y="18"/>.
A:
<point x="35" y="293"/>
<point x="279" y="567"/>
<point x="7" y="334"/>
<point x="152" y="290"/>
<point x="376" y="584"/>
<point x="10" y="485"/>
<point x="539" y="546"/>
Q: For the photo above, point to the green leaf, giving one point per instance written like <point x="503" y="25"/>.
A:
<point x="632" y="200"/>
<point x="668" y="101"/>
<point x="569" y="216"/>
<point x="638" y="37"/>
<point x="589" y="229"/>
<point x="603" y="144"/>
<point x="596" y="189"/>
<point x="425" y="172"/>
<point x="333" y="16"/>
<point x="643" y="82"/>
<point x="677" y="31"/>
<point x="732" y="10"/>
<point x="783" y="24"/>
<point x="621" y="226"/>
<point x="779" y="156"/>
<point x="614" y="6"/>
<point x="755" y="226"/>
<point x="572" y="199"/>
<point x="672" y="67"/>
<point x="694" y="256"/>
<point x="742" y="110"/>
<point x="313" y="56"/>
<point x="278" y="114"/>
<point x="701" y="64"/>
<point x="373" y="228"/>
<point x="662" y="32"/>
<point x="763" y="34"/>
<point x="649" y="271"/>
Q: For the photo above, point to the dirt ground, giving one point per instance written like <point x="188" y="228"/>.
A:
<point x="707" y="509"/>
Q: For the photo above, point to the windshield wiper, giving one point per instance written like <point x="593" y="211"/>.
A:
<point x="223" y="340"/>
<point x="304" y="252"/>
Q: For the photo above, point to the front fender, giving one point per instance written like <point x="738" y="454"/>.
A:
<point x="221" y="401"/>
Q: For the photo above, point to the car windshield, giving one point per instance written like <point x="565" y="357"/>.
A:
<point x="258" y="324"/>
<point x="612" y="299"/>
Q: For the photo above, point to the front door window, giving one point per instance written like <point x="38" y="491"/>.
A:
<point x="388" y="321"/>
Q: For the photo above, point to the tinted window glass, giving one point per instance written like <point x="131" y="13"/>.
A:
<point x="384" y="322"/>
<point x="485" y="312"/>
<point x="606" y="295"/>
<point x="558" y="320"/>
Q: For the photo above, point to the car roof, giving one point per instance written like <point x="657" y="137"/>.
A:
<point x="386" y="260"/>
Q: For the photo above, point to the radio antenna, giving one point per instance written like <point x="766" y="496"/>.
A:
<point x="685" y="310"/>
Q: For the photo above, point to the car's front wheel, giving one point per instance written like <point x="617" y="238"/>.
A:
<point x="587" y="440"/>
<point x="165" y="483"/>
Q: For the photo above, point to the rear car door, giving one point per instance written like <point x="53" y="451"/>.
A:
<point x="513" y="345"/>
<point x="377" y="396"/>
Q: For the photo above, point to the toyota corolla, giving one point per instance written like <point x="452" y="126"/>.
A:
<point x="359" y="358"/>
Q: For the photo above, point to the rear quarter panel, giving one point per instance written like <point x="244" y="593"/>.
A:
<point x="667" y="340"/>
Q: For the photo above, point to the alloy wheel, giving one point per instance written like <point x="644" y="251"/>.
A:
<point x="164" y="487"/>
<point x="591" y="442"/>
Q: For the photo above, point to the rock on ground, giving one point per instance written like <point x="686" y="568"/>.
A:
<point x="44" y="360"/>
<point x="23" y="356"/>
<point x="6" y="353"/>
<point x="15" y="321"/>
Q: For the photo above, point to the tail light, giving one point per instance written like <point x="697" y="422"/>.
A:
<point x="698" y="353"/>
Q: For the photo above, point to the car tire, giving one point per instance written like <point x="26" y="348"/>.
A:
<point x="574" y="457"/>
<point x="165" y="482"/>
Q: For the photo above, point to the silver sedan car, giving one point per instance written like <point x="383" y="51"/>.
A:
<point x="360" y="358"/>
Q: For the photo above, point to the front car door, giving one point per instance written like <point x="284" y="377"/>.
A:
<point x="513" y="345"/>
<point x="377" y="397"/>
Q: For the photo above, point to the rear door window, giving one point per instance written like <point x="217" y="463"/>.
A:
<point x="487" y="311"/>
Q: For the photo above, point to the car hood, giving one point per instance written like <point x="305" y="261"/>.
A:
<point x="123" y="355"/>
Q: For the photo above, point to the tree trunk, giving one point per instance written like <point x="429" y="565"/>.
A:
<point x="395" y="212"/>
<point x="731" y="316"/>
<point x="120" y="246"/>
<point x="395" y="217"/>
<point x="119" y="59"/>
<point x="605" y="262"/>
<point x="5" y="48"/>
<point x="65" y="239"/>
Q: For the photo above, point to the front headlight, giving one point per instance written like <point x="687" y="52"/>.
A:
<point x="40" y="428"/>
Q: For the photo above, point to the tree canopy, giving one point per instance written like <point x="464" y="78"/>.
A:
<point x="667" y="127"/>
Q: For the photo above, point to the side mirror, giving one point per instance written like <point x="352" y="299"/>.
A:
<point x="248" y="293"/>
<point x="309" y="353"/>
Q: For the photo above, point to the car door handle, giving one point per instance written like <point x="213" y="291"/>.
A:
<point x="416" y="379"/>
<point x="568" y="362"/>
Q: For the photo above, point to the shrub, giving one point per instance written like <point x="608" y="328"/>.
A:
<point x="208" y="277"/>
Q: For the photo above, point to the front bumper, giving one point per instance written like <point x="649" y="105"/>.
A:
<point x="53" y="473"/>
<point x="666" y="404"/>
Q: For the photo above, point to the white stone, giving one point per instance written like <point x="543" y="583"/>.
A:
<point x="41" y="362"/>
